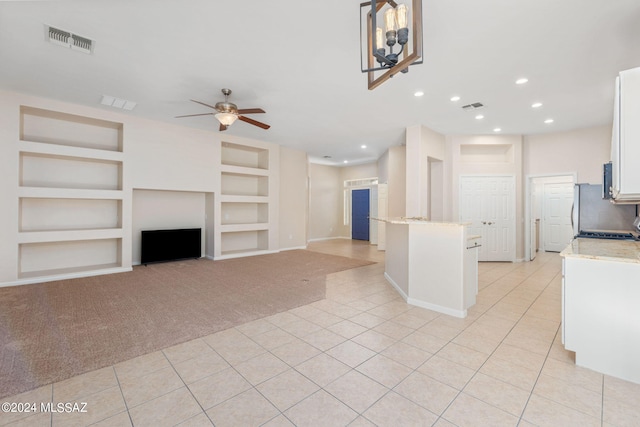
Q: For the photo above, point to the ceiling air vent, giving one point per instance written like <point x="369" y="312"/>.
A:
<point x="67" y="39"/>
<point x="471" y="107"/>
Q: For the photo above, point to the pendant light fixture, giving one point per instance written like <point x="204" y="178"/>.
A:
<point x="393" y="49"/>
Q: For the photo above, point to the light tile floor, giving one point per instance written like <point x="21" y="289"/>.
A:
<point x="363" y="357"/>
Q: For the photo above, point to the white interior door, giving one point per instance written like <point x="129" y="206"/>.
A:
<point x="488" y="203"/>
<point x="557" y="202"/>
<point x="533" y="237"/>
<point x="500" y="206"/>
<point x="471" y="211"/>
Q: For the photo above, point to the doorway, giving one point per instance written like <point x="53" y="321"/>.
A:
<point x="360" y="208"/>
<point x="549" y="213"/>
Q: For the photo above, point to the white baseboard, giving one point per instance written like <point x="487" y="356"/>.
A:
<point x="440" y="309"/>
<point x="418" y="303"/>
<point x="245" y="254"/>
<point x="77" y="275"/>
<point x="320" y="239"/>
<point x="396" y="287"/>
<point x="293" y="248"/>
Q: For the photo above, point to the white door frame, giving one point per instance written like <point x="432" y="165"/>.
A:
<point x="528" y="207"/>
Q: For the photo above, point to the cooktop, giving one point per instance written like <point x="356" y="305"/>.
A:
<point x="612" y="235"/>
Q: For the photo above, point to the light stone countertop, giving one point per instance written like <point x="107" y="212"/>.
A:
<point x="419" y="220"/>
<point x="603" y="249"/>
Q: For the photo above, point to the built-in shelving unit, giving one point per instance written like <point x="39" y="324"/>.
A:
<point x="70" y="195"/>
<point x="246" y="199"/>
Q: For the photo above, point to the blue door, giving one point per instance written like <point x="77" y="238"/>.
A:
<point x="360" y="214"/>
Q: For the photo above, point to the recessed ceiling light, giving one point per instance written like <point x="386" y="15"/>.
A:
<point x="479" y="117"/>
<point x="363" y="146"/>
<point x="455" y="98"/>
<point x="548" y="121"/>
<point x="346" y="161"/>
<point x="522" y="81"/>
<point x="419" y="93"/>
<point x="497" y="130"/>
<point x="536" y="105"/>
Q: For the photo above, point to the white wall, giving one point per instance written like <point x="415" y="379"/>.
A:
<point x="383" y="168"/>
<point x="294" y="198"/>
<point x="368" y="170"/>
<point x="158" y="210"/>
<point x="397" y="181"/>
<point x="171" y="157"/>
<point x="422" y="147"/>
<point x="325" y="200"/>
<point x="9" y="134"/>
<point x="498" y="162"/>
<point x="156" y="156"/>
<point x="581" y="151"/>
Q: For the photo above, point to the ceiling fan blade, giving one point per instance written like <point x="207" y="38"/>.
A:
<point x="193" y="115"/>
<point x="223" y="127"/>
<point x="254" y="122"/>
<point x="250" y="111"/>
<point x="202" y="103"/>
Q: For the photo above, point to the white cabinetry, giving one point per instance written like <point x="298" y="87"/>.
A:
<point x="600" y="316"/>
<point x="70" y="196"/>
<point x="625" y="148"/>
<point x="247" y="200"/>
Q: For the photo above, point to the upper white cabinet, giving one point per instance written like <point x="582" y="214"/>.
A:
<point x="625" y="147"/>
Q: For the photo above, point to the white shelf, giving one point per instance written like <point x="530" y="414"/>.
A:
<point x="243" y="170"/>
<point x="39" y="257"/>
<point x="243" y="253"/>
<point x="243" y="199"/>
<point x="230" y="228"/>
<point x="69" y="151"/>
<point x="244" y="213"/>
<point x="69" y="193"/>
<point x="238" y="184"/>
<point x="54" y="171"/>
<point x="68" y="235"/>
<point x="71" y="273"/>
<point x="244" y="156"/>
<point x="55" y="214"/>
<point x="69" y="130"/>
<point x="248" y="178"/>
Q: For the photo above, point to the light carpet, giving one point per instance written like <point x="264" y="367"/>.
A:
<point x="56" y="330"/>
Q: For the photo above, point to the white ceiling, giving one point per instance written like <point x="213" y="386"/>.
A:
<point x="300" y="61"/>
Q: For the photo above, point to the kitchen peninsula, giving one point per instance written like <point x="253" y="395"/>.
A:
<point x="601" y="305"/>
<point x="433" y="265"/>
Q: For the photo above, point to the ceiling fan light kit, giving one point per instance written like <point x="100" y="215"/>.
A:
<point x="226" y="119"/>
<point x="403" y="27"/>
<point x="228" y="112"/>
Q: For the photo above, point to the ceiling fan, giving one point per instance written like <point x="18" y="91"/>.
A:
<point x="228" y="112"/>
